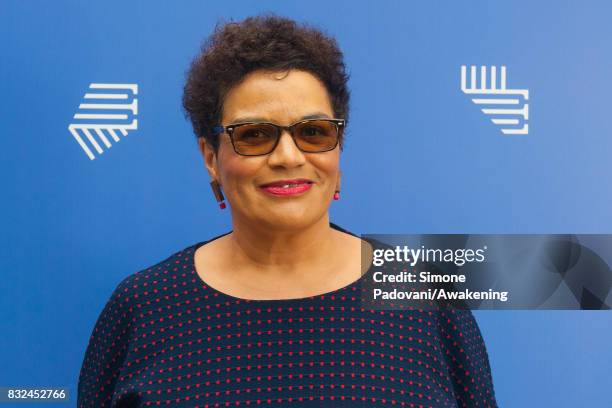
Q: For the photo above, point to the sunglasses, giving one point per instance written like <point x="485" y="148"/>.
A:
<point x="260" y="138"/>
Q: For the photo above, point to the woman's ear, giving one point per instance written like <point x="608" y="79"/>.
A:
<point x="210" y="158"/>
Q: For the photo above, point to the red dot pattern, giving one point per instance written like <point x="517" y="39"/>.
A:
<point x="165" y="338"/>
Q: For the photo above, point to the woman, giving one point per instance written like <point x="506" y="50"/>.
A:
<point x="269" y="313"/>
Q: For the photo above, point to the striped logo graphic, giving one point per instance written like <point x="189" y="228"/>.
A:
<point x="507" y="107"/>
<point x="109" y="109"/>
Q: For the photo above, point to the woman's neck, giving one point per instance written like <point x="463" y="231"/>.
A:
<point x="278" y="249"/>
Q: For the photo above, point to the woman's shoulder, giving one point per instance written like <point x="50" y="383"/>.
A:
<point x="141" y="297"/>
<point x="172" y="271"/>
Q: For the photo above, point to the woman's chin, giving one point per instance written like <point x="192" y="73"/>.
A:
<point x="286" y="220"/>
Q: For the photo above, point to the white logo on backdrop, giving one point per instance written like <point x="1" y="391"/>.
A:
<point x="96" y="118"/>
<point x="503" y="103"/>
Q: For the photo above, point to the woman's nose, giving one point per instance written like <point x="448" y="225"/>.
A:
<point x="286" y="152"/>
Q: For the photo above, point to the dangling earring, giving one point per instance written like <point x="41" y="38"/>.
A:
<point x="216" y="188"/>
<point x="337" y="192"/>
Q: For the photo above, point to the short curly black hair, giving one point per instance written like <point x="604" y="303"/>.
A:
<point x="267" y="42"/>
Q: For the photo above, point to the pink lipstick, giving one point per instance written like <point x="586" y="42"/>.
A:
<point x="291" y="187"/>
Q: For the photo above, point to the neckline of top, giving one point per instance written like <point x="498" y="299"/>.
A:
<point x="222" y="295"/>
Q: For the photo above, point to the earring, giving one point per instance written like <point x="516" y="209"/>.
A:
<point x="216" y="188"/>
<point x="337" y="192"/>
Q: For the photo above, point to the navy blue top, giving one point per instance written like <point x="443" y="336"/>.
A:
<point x="166" y="338"/>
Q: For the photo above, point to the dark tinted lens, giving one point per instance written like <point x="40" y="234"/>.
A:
<point x="254" y="139"/>
<point x="316" y="135"/>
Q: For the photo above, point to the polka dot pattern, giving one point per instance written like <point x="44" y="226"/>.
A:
<point x="165" y="338"/>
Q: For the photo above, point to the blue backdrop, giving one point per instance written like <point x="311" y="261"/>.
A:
<point x="420" y="158"/>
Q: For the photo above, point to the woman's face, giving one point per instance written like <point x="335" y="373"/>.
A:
<point x="281" y="98"/>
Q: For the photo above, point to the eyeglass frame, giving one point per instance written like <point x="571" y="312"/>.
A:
<point x="229" y="129"/>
